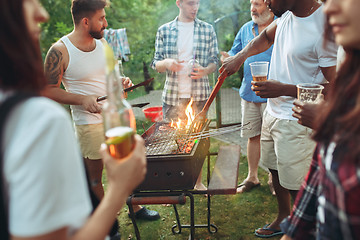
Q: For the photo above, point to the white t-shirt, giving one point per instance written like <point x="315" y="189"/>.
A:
<point x="43" y="170"/>
<point x="297" y="56"/>
<point x="85" y="75"/>
<point x="340" y="57"/>
<point x="185" y="45"/>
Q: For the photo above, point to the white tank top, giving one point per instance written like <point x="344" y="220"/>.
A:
<point x="85" y="75"/>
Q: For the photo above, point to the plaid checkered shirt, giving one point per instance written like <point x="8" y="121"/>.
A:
<point x="206" y="52"/>
<point x="327" y="205"/>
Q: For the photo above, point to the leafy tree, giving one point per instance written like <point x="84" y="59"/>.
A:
<point x="142" y="18"/>
<point x="139" y="17"/>
<point x="59" y="24"/>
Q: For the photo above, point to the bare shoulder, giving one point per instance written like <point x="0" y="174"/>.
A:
<point x="56" y="62"/>
<point x="59" y="51"/>
<point x="271" y="30"/>
<point x="59" y="45"/>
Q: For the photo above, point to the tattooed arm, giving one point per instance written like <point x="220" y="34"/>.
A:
<point x="56" y="62"/>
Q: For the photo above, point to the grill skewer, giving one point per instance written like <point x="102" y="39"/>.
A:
<point x="204" y="134"/>
<point x="177" y="140"/>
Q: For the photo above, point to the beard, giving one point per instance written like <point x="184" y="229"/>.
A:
<point x="97" y="34"/>
<point x="261" y="19"/>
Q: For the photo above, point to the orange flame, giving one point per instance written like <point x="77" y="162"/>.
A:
<point x="189" y="111"/>
<point x="178" y="123"/>
<point x="190" y="114"/>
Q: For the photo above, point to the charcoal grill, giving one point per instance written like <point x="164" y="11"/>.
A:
<point x="175" y="160"/>
<point x="174" y="157"/>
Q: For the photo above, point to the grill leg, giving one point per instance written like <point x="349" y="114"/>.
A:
<point x="192" y="220"/>
<point x="132" y="216"/>
<point x="177" y="221"/>
<point x="139" y="199"/>
<point x="192" y="225"/>
<point x="209" y="224"/>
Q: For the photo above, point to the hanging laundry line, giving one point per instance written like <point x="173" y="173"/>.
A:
<point x="118" y="41"/>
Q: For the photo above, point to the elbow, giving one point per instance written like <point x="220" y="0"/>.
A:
<point x="48" y="91"/>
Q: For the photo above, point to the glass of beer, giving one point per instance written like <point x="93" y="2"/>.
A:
<point x="309" y="92"/>
<point x="120" y="141"/>
<point x="259" y="71"/>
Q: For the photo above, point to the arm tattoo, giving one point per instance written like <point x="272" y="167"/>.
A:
<point x="53" y="69"/>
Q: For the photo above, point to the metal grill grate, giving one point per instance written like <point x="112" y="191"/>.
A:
<point x="164" y="140"/>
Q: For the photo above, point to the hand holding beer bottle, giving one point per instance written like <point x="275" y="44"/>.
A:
<point x="119" y="119"/>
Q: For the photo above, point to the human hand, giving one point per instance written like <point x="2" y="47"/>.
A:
<point x="231" y="65"/>
<point x="89" y="102"/>
<point x="126" y="82"/>
<point x="305" y="112"/>
<point x="125" y="174"/>
<point x="173" y="65"/>
<point x="223" y="56"/>
<point x="268" y="89"/>
<point x="198" y="72"/>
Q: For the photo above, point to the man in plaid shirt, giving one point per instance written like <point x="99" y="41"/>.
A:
<point x="187" y="50"/>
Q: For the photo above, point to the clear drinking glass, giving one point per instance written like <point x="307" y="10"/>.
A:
<point x="309" y="92"/>
<point x="259" y="71"/>
<point x="193" y="63"/>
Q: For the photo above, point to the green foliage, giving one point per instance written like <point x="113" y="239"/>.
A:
<point x="59" y="24"/>
<point x="142" y="18"/>
<point x="62" y="28"/>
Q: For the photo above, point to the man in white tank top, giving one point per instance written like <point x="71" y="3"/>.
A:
<point x="298" y="56"/>
<point x="77" y="60"/>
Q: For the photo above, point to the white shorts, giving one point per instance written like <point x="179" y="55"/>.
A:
<point x="90" y="138"/>
<point x="286" y="146"/>
<point x="251" y="113"/>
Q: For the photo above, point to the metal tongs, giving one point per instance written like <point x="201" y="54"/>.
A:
<point x="146" y="82"/>
<point x="201" y="116"/>
<point x="139" y="105"/>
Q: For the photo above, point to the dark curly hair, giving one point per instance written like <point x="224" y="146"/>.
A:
<point x="86" y="8"/>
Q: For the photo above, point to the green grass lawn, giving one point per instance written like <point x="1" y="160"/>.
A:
<point x="236" y="216"/>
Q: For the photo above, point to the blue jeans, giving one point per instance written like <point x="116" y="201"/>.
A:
<point x="178" y="111"/>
